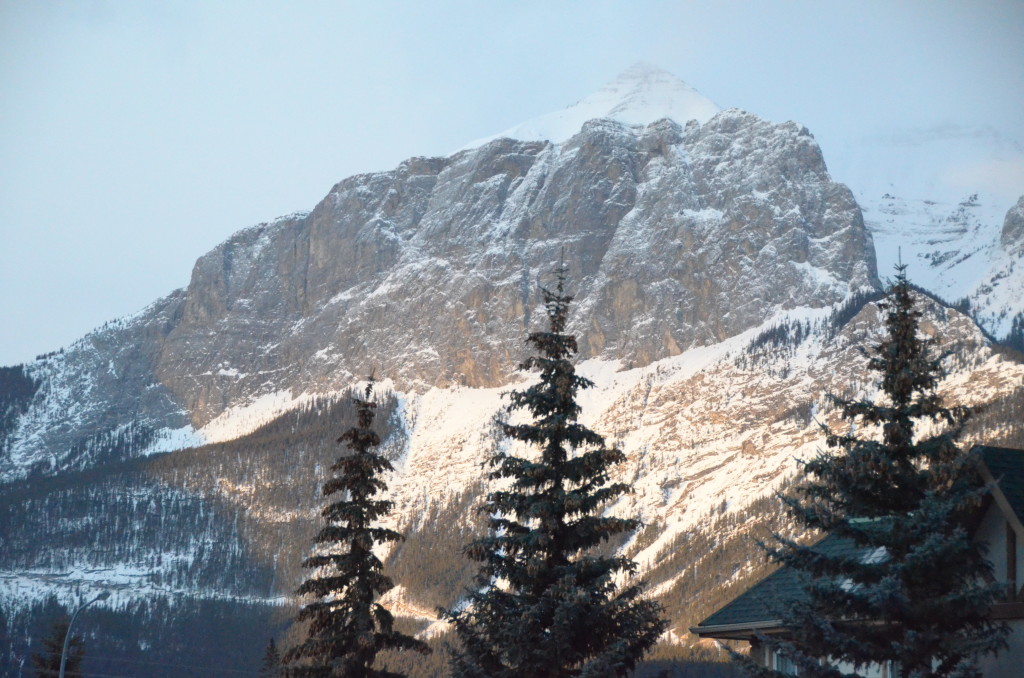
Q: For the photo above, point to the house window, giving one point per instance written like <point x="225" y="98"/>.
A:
<point x="785" y="665"/>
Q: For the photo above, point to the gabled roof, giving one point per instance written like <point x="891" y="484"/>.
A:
<point x="758" y="607"/>
<point x="1006" y="466"/>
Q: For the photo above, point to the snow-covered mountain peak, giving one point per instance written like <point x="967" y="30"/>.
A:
<point x="644" y="93"/>
<point x="639" y="95"/>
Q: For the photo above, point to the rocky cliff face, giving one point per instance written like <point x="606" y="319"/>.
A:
<point x="714" y="265"/>
<point x="1012" y="235"/>
<point x="676" y="237"/>
<point x="429" y="273"/>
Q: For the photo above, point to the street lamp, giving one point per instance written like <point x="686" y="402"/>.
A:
<point x="67" y="636"/>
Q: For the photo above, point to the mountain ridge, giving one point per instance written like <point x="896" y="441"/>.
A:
<point x="455" y="247"/>
<point x="724" y="283"/>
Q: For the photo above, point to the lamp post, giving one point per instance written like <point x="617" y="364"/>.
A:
<point x="67" y="636"/>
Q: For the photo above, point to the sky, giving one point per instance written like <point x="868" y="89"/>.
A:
<point x="136" y="136"/>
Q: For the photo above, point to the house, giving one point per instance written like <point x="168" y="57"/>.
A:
<point x="1000" y="525"/>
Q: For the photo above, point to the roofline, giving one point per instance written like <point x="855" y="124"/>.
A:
<point x="998" y="611"/>
<point x="1000" y="498"/>
<point x="731" y="628"/>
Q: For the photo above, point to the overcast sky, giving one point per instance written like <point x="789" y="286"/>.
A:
<point x="135" y="136"/>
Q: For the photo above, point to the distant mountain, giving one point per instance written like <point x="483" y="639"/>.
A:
<point x="939" y="197"/>
<point x="677" y="237"/>
<point x="724" y="284"/>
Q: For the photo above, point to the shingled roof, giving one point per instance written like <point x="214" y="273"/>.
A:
<point x="758" y="607"/>
<point x="1006" y="466"/>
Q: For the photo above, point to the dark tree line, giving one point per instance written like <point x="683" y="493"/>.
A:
<point x="160" y="636"/>
<point x="46" y="660"/>
<point x="1015" y="337"/>
<point x="16" y="391"/>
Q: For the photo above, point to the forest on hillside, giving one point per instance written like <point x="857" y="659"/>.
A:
<point x="233" y="520"/>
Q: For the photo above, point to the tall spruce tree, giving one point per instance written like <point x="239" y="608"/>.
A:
<point x="547" y="605"/>
<point x="904" y="586"/>
<point x="271" y="665"/>
<point x="46" y="662"/>
<point x="347" y="627"/>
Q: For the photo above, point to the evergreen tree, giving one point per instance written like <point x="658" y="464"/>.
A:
<point x="1015" y="337"/>
<point x="46" y="662"/>
<point x="271" y="666"/>
<point x="902" y="585"/>
<point x="547" y="605"/>
<point x="347" y="627"/>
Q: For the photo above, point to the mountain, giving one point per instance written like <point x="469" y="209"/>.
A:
<point x="935" y="196"/>
<point x="938" y="197"/>
<point x="724" y="284"/>
<point x="677" y="237"/>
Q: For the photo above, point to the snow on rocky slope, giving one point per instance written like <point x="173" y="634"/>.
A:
<point x="710" y="254"/>
<point x="714" y="424"/>
<point x="939" y="198"/>
<point x="677" y="237"/>
<point x="705" y="432"/>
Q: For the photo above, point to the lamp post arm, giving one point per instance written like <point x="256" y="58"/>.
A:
<point x="67" y="635"/>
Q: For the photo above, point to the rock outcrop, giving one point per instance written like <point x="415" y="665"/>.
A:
<point x="675" y="237"/>
<point x="1012" y="235"/>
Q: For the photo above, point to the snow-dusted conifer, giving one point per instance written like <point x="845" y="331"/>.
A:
<point x="903" y="587"/>
<point x="547" y="605"/>
<point x="46" y="662"/>
<point x="347" y="626"/>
